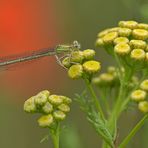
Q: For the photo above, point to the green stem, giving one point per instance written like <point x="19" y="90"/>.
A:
<point x="133" y="132"/>
<point x="55" y="134"/>
<point x="94" y="97"/>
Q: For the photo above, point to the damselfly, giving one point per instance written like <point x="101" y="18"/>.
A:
<point x="58" y="50"/>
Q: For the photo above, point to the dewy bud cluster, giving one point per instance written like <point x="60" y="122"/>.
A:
<point x="52" y="107"/>
<point x="128" y="41"/>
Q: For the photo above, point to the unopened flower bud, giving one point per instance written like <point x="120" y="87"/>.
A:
<point x="110" y="37"/>
<point x="122" y="49"/>
<point x="45" y="120"/>
<point x="66" y="62"/>
<point x="59" y="115"/>
<point x="138" y="95"/>
<point x="64" y="108"/>
<point x="55" y="99"/>
<point x="66" y="100"/>
<point x="140" y="34"/>
<point x="91" y="67"/>
<point x="124" y="32"/>
<point x="40" y="99"/>
<point x="88" y="54"/>
<point x="138" y="44"/>
<point x="47" y="108"/>
<point x="144" y="85"/>
<point x="121" y="40"/>
<point x="138" y="54"/>
<point x="143" y="106"/>
<point x="128" y="24"/>
<point x="106" y="77"/>
<point x="77" y="57"/>
<point x="75" y="71"/>
<point x="29" y="105"/>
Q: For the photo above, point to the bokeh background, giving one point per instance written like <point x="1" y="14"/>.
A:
<point x="33" y="24"/>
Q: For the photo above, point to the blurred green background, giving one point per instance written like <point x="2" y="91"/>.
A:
<point x="77" y="20"/>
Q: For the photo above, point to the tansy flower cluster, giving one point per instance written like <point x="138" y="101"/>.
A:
<point x="140" y="95"/>
<point x="81" y="63"/>
<point x="128" y="41"/>
<point x="52" y="107"/>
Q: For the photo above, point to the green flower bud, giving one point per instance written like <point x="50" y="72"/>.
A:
<point x="106" y="77"/>
<point x="66" y="100"/>
<point x="144" y="85"/>
<point x="59" y="115"/>
<point x="75" y="71"/>
<point x="91" y="67"/>
<point x="77" y="56"/>
<point x="55" y="99"/>
<point x="45" y="120"/>
<point x="121" y="40"/>
<point x="29" y="105"/>
<point x="40" y="99"/>
<point x="47" y="108"/>
<point x="66" y="62"/>
<point x="124" y="32"/>
<point x="140" y="34"/>
<point x="89" y="54"/>
<point x="138" y="44"/>
<point x="44" y="92"/>
<point x="138" y="95"/>
<point x="99" y="42"/>
<point x="110" y="37"/>
<point x="142" y="26"/>
<point x="143" y="106"/>
<point x="128" y="24"/>
<point x="122" y="49"/>
<point x="138" y="54"/>
<point x="64" y="108"/>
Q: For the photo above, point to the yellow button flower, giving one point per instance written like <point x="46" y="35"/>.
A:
<point x="144" y="85"/>
<point x="124" y="32"/>
<point x="142" y="26"/>
<point x="99" y="42"/>
<point x="128" y="24"/>
<point x="102" y="33"/>
<point x="64" y="108"/>
<point x="75" y="71"/>
<point x="138" y="95"/>
<point x="138" y="44"/>
<point x="55" y="99"/>
<point x="66" y="100"/>
<point x="138" y="54"/>
<point x="45" y="120"/>
<point x="121" y="40"/>
<point x="109" y="38"/>
<point x="140" y="34"/>
<point x="40" y="99"/>
<point x="91" y="66"/>
<point x="77" y="57"/>
<point x="59" y="115"/>
<point x="89" y="54"/>
<point x="122" y="49"/>
<point x="47" y="108"/>
<point x="143" y="106"/>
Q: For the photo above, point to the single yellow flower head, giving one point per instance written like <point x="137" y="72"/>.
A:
<point x="144" y="85"/>
<point x="29" y="105"/>
<point x="45" y="120"/>
<point x="106" y="77"/>
<point x="40" y="99"/>
<point x="75" y="71"/>
<point x="64" y="108"/>
<point x="66" y="62"/>
<point x="124" y="32"/>
<point x="89" y="54"/>
<point x="140" y="34"/>
<point x="47" y="108"/>
<point x="138" y="44"/>
<point x="66" y="100"/>
<point x="55" y="99"/>
<point x="103" y="33"/>
<point x="128" y="24"/>
<point x="142" y="26"/>
<point x="91" y="67"/>
<point x="59" y="115"/>
<point x="114" y="29"/>
<point x="99" y="42"/>
<point x="143" y="106"/>
<point x="122" y="49"/>
<point x="77" y="56"/>
<point x="138" y="95"/>
<point x="110" y="37"/>
<point x="138" y="54"/>
<point x="121" y="40"/>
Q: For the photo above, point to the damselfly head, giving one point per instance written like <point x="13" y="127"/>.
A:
<point x="76" y="45"/>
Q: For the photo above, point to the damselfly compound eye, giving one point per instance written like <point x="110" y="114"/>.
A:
<point x="76" y="44"/>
